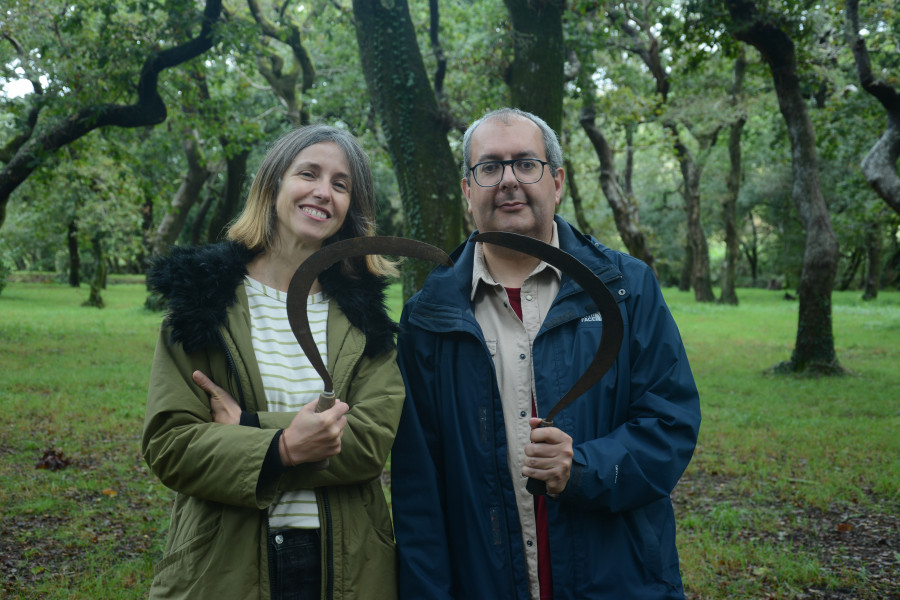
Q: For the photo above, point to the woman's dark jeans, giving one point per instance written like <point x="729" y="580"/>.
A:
<point x="296" y="563"/>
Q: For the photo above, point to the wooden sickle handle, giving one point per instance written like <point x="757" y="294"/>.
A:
<point x="326" y="401"/>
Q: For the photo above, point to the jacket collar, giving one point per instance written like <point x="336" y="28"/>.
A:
<point x="449" y="287"/>
<point x="200" y="285"/>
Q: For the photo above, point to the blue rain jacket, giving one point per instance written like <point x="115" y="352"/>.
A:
<point x="612" y="531"/>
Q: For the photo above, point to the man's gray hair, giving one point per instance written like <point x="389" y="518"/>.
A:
<point x="551" y="143"/>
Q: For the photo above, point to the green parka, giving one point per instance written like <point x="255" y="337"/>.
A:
<point x="217" y="541"/>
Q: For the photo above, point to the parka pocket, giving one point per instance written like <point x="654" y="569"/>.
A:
<point x="194" y="525"/>
<point x="187" y="553"/>
<point x="373" y="499"/>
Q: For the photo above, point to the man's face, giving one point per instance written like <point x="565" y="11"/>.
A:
<point x="526" y="209"/>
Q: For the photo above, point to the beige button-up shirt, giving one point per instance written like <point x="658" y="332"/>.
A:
<point x="510" y="342"/>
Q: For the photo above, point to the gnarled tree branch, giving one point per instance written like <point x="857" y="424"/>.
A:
<point x="149" y="109"/>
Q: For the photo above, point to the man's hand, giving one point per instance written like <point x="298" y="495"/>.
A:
<point x="313" y="436"/>
<point x="223" y="408"/>
<point x="548" y="457"/>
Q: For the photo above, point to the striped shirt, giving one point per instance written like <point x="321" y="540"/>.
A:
<point x="289" y="379"/>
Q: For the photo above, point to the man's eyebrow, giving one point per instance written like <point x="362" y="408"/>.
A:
<point x="493" y="156"/>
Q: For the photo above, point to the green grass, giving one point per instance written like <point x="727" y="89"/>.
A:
<point x="793" y="484"/>
<point x="782" y="461"/>
<point x="75" y="379"/>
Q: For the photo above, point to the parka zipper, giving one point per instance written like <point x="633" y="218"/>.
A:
<point x="329" y="546"/>
<point x="269" y="557"/>
<point x="232" y="366"/>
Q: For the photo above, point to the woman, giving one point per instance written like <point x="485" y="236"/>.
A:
<point x="251" y="518"/>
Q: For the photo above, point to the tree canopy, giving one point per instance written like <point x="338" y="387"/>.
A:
<point x="727" y="143"/>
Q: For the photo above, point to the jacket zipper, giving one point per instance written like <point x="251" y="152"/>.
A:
<point x="269" y="557"/>
<point x="498" y="474"/>
<point x="232" y="366"/>
<point x="329" y="545"/>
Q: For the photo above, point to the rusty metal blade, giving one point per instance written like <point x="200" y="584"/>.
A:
<point x="613" y="327"/>
<point x="309" y="270"/>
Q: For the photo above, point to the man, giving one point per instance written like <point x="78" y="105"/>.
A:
<point x="494" y="342"/>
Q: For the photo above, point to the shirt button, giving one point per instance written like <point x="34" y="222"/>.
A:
<point x="622" y="292"/>
<point x="522" y="414"/>
<point x="279" y="539"/>
<point x="530" y="543"/>
<point x="522" y="356"/>
<point x="529" y="297"/>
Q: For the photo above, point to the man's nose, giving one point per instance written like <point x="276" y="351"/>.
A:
<point x="508" y="178"/>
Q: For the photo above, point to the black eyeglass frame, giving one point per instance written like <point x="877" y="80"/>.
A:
<point x="512" y="165"/>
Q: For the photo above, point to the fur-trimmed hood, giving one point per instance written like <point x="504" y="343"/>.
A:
<point x="200" y="284"/>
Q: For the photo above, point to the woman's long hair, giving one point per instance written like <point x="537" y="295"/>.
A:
<point x="255" y="226"/>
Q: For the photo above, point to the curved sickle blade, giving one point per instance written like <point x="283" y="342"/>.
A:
<point x="613" y="328"/>
<point x="309" y="270"/>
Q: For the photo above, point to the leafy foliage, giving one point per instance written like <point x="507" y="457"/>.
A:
<point x="77" y="54"/>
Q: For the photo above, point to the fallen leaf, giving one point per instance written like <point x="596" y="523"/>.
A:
<point x="53" y="460"/>
<point x="109" y="492"/>
<point x="844" y="527"/>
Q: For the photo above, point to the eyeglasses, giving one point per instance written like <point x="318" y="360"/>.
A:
<point x="525" y="170"/>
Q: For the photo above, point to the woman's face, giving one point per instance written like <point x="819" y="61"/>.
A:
<point x="314" y="197"/>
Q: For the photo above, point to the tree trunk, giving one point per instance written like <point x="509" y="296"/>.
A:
<point x="271" y="65"/>
<point x="891" y="271"/>
<point x="624" y="208"/>
<point x="536" y="76"/>
<point x="74" y="258"/>
<point x="173" y="221"/>
<point x="149" y="109"/>
<point x="873" y="268"/>
<point x="684" y="281"/>
<point x="98" y="282"/>
<point x="751" y="251"/>
<point x="700" y="277"/>
<point x="629" y="162"/>
<point x="880" y="164"/>
<point x="227" y="208"/>
<point x="729" y="205"/>
<point x="849" y="275"/>
<point x="729" y="214"/>
<point x="415" y="129"/>
<point x="197" y="227"/>
<point x="577" y="205"/>
<point x="814" y="349"/>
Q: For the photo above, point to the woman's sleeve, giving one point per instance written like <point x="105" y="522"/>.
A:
<point x="184" y="448"/>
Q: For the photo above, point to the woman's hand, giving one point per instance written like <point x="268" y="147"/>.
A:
<point x="223" y="408"/>
<point x="313" y="436"/>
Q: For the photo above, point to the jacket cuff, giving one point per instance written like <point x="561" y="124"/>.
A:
<point x="272" y="466"/>
<point x="249" y="419"/>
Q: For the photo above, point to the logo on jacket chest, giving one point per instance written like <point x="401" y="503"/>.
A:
<point x="592" y="318"/>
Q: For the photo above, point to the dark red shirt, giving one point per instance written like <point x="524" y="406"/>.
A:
<point x="545" y="573"/>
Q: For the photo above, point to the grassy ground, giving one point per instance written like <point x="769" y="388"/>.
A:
<point x="794" y="491"/>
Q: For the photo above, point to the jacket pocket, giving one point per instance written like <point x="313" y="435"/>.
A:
<point x="650" y="546"/>
<point x="367" y="564"/>
<point x="373" y="499"/>
<point x="194" y="525"/>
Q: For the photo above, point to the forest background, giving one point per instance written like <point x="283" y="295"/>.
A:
<point x="723" y="142"/>
<point x="730" y="144"/>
